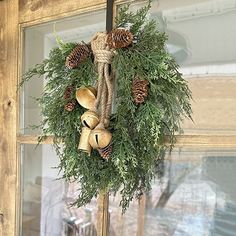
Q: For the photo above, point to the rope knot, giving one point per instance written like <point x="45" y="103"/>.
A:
<point x="103" y="56"/>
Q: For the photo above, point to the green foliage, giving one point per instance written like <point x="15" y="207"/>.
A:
<point x="138" y="131"/>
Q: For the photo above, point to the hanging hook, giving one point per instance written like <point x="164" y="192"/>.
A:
<point x="109" y="15"/>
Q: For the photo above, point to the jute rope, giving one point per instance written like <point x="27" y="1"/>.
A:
<point x="103" y="57"/>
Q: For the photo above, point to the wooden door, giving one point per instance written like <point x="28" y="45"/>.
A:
<point x="15" y="17"/>
<point x="8" y="115"/>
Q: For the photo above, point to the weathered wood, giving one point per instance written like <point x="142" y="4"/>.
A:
<point x="197" y="141"/>
<point x="8" y="116"/>
<point x="103" y="215"/>
<point x="141" y="216"/>
<point x="33" y="139"/>
<point x="37" y="11"/>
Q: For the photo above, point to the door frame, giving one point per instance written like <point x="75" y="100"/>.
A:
<point x="15" y="15"/>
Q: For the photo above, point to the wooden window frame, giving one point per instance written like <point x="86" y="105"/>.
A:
<point x="16" y="15"/>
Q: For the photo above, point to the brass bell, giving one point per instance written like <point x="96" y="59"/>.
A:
<point x="90" y="119"/>
<point x="86" y="97"/>
<point x="100" y="138"/>
<point x="84" y="140"/>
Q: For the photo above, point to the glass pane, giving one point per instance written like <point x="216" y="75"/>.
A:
<point x="202" y="39"/>
<point x="46" y="199"/>
<point x="197" y="195"/>
<point x="38" y="41"/>
<point x="126" y="224"/>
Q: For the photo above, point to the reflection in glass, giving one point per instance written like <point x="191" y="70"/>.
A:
<point x="201" y="37"/>
<point x="122" y="224"/>
<point x="38" y="41"/>
<point x="198" y="196"/>
<point x="47" y="199"/>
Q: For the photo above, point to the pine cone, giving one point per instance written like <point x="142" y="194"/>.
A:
<point x="105" y="153"/>
<point x="69" y="92"/>
<point x="70" y="106"/>
<point x="119" y="38"/>
<point x="139" y="90"/>
<point x="78" y="55"/>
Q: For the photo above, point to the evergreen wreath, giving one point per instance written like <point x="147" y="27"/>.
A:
<point x="150" y="101"/>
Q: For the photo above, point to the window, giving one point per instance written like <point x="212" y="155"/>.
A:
<point x="196" y="194"/>
<point x="46" y="201"/>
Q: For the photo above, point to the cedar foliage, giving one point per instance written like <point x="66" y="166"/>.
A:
<point x="138" y="130"/>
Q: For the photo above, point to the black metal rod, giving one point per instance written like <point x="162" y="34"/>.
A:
<point x="109" y="16"/>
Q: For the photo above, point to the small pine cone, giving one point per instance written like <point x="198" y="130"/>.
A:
<point x="69" y="92"/>
<point x="70" y="106"/>
<point x="139" y="90"/>
<point x="106" y="152"/>
<point x="78" y="55"/>
<point x="119" y="38"/>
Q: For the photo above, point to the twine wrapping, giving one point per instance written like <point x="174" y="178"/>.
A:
<point x="103" y="58"/>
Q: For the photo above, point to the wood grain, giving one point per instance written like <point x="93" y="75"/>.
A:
<point x="196" y="141"/>
<point x="103" y="215"/>
<point x="141" y="216"/>
<point x="8" y="101"/>
<point x="37" y="11"/>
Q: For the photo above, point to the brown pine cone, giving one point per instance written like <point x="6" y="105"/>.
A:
<point x="78" y="55"/>
<point x="70" y="106"/>
<point x="139" y="90"/>
<point x="69" y="92"/>
<point x="106" y="152"/>
<point x="119" y="38"/>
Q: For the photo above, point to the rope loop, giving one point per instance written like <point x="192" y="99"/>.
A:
<point x="103" y="56"/>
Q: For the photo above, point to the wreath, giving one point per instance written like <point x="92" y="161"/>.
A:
<point x="112" y="102"/>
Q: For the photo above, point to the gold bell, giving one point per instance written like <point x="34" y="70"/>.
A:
<point x="86" y="97"/>
<point x="90" y="119"/>
<point x="84" y="140"/>
<point x="100" y="138"/>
